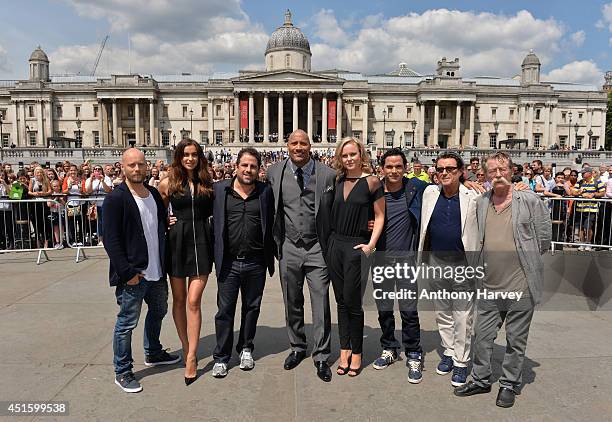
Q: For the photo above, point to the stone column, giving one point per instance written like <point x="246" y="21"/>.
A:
<point x="587" y="141"/>
<point x="436" y="123"/>
<point x="530" y="125"/>
<point x="226" y="102"/>
<point x="324" y="118"/>
<point x="266" y="117"/>
<point x="309" y="123"/>
<point x="546" y="134"/>
<point x="521" y="122"/>
<point x="364" y="115"/>
<point x="280" y="117"/>
<point x="100" y="124"/>
<point x="295" y="110"/>
<point x="116" y="137"/>
<point x="153" y="123"/>
<point x="137" y="121"/>
<point x="349" y="117"/>
<point x="40" y="130"/>
<point x="24" y="132"/>
<point x="251" y="117"/>
<point x="458" y="125"/>
<point x="339" y="109"/>
<point x="49" y="119"/>
<point x="211" y="121"/>
<point x="15" y="125"/>
<point x="553" y="127"/>
<point x="236" y="117"/>
<point x="421" y="124"/>
<point x="472" y="116"/>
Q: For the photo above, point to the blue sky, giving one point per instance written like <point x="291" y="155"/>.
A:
<point x="572" y="39"/>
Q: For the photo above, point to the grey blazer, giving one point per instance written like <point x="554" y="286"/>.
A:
<point x="532" y="229"/>
<point x="325" y="178"/>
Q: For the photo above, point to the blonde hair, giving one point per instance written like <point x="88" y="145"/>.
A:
<point x="363" y="156"/>
<point x="45" y="179"/>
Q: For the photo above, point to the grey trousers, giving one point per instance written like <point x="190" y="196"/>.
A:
<point x="490" y="316"/>
<point x="296" y="264"/>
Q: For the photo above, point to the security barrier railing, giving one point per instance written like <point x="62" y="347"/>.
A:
<point x="83" y="223"/>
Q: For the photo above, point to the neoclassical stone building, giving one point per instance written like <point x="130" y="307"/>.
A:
<point x="261" y="107"/>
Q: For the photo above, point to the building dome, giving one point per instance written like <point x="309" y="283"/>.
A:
<point x="39" y="55"/>
<point x="531" y="59"/>
<point x="288" y="37"/>
<point x="403" y="70"/>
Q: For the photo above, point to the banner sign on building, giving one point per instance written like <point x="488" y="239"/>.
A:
<point x="331" y="114"/>
<point x="244" y="114"/>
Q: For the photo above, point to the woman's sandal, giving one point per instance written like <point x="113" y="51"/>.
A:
<point x="343" y="370"/>
<point x="353" y="372"/>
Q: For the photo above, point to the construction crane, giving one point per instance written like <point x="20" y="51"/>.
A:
<point x="95" y="66"/>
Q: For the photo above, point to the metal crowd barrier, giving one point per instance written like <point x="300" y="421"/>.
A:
<point x="581" y="223"/>
<point x="82" y="222"/>
<point x="31" y="225"/>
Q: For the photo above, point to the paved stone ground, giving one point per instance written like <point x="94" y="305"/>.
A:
<point x="56" y="321"/>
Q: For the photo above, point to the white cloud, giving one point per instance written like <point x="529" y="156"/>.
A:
<point x="4" y="61"/>
<point x="578" y="38"/>
<point x="584" y="71"/>
<point x="606" y="19"/>
<point x="485" y="43"/>
<point x="327" y="28"/>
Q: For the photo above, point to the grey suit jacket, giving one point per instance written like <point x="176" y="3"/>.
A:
<point x="325" y="178"/>
<point x="532" y="229"/>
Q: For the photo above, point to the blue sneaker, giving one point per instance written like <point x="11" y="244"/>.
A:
<point x="415" y="367"/>
<point x="386" y="358"/>
<point x="445" y="366"/>
<point x="459" y="377"/>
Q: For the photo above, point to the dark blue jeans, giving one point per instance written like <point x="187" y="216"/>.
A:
<point x="247" y="277"/>
<point x="129" y="299"/>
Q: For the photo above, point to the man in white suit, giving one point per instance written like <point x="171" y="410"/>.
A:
<point x="449" y="230"/>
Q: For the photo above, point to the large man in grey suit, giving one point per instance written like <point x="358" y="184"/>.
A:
<point x="298" y="184"/>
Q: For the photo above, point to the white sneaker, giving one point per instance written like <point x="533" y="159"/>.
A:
<point x="246" y="360"/>
<point x="588" y="248"/>
<point x="581" y="248"/>
<point x="219" y="370"/>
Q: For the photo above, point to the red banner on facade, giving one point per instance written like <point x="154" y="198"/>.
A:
<point x="331" y="114"/>
<point x="244" y="114"/>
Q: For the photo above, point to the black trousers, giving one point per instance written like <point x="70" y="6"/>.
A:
<point x="6" y="229"/>
<point x="348" y="270"/>
<point x="248" y="277"/>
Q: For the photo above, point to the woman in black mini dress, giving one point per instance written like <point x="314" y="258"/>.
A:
<point x="188" y="191"/>
<point x="359" y="198"/>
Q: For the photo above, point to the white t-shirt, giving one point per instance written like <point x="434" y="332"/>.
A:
<point x="148" y="215"/>
<point x="97" y="186"/>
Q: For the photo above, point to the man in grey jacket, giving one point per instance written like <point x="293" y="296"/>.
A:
<point x="514" y="230"/>
<point x="298" y="184"/>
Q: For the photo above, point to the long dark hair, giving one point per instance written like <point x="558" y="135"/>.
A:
<point x="178" y="175"/>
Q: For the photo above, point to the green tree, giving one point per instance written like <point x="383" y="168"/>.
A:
<point x="609" y="123"/>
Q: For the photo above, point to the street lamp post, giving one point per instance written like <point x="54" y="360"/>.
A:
<point x="191" y="123"/>
<point x="414" y="124"/>
<point x="174" y="141"/>
<point x="27" y="142"/>
<point x="400" y="142"/>
<point x="569" y="131"/>
<point x="589" y="133"/>
<point x="392" y="138"/>
<point x="1" y="133"/>
<point x="385" y="128"/>
<point x="78" y="124"/>
<point x="576" y="127"/>
<point x="161" y="132"/>
<point x="496" y="126"/>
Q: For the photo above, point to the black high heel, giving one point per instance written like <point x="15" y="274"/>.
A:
<point x="344" y="369"/>
<point x="191" y="380"/>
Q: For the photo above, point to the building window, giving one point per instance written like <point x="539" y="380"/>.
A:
<point x="60" y="133"/>
<point x="564" y="117"/>
<point x="218" y="110"/>
<point x="78" y="136"/>
<point x="130" y="111"/>
<point x="218" y="137"/>
<point x="5" y="140"/>
<point x="95" y="111"/>
<point x="389" y="112"/>
<point x="59" y="113"/>
<point x="2" y="113"/>
<point x="511" y="114"/>
<point x="493" y="140"/>
<point x="31" y="111"/>
<point x="271" y="61"/>
<point x="562" y="141"/>
<point x="32" y="138"/>
<point x="580" y="117"/>
<point x="409" y="112"/>
<point x="287" y="60"/>
<point x="537" y="140"/>
<point x="357" y="134"/>
<point x="594" y="140"/>
<point x="371" y="137"/>
<point x="77" y="111"/>
<point x="165" y="138"/>
<point x="537" y="113"/>
<point x="204" y="137"/>
<point x="204" y="111"/>
<point x="165" y="111"/>
<point x="510" y="135"/>
<point x="494" y="113"/>
<point x="96" y="138"/>
<point x="579" y="142"/>
<point x="184" y="111"/>
<point x="408" y="139"/>
<point x="357" y="111"/>
<point x="388" y="139"/>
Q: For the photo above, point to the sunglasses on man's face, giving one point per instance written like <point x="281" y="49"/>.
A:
<point x="449" y="169"/>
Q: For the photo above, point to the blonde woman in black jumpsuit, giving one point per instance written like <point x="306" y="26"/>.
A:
<point x="359" y="197"/>
<point x="188" y="190"/>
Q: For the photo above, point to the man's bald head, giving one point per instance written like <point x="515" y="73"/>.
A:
<point x="298" y="146"/>
<point x="134" y="166"/>
<point x="299" y="134"/>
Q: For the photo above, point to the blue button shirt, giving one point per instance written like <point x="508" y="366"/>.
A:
<point x="445" y="225"/>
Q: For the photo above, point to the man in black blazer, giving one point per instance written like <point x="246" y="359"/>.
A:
<point x="299" y="184"/>
<point x="135" y="236"/>
<point x="244" y="249"/>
